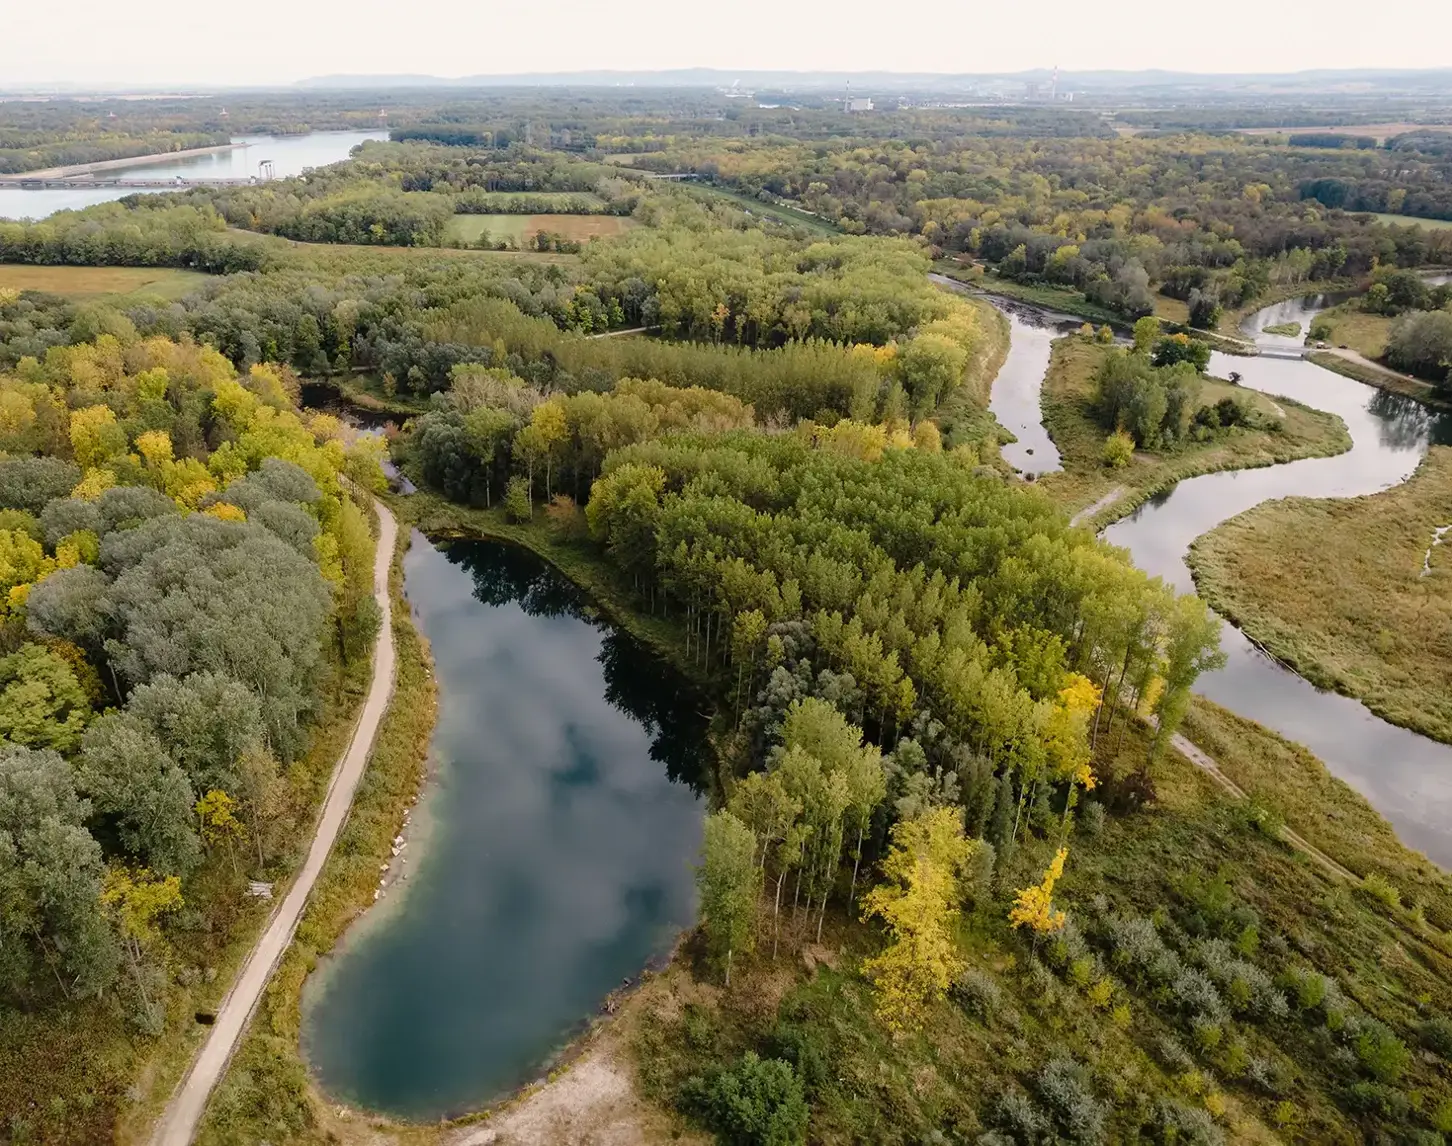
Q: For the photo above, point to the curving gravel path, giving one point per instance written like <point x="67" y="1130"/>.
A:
<point x="178" y="1122"/>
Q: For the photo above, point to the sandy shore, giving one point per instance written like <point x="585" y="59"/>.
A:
<point x="79" y="169"/>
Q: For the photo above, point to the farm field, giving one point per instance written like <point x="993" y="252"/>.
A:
<point x="1377" y="131"/>
<point x="93" y="282"/>
<point x="521" y="229"/>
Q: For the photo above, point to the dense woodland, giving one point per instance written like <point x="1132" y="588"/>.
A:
<point x="185" y="577"/>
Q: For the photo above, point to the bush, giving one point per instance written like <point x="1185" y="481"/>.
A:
<point x="1118" y="450"/>
<point x="518" y="505"/>
<point x="1177" y="348"/>
<point x="757" y="1102"/>
<point x="1383" y="1054"/>
<point x="979" y="994"/>
<point x="1064" y="1087"/>
<point x="1437" y="1036"/>
<point x="1091" y="818"/>
<point x="1018" y="1115"/>
<point x="1380" y="889"/>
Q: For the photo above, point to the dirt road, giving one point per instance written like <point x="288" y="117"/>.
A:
<point x="179" y="1121"/>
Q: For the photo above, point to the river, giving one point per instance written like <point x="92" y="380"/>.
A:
<point x="290" y="155"/>
<point x="550" y="856"/>
<point x="1406" y="777"/>
<point x="1016" y="400"/>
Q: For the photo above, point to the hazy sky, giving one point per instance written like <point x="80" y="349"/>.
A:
<point x="272" y="41"/>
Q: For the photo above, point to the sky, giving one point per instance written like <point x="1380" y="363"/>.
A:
<point x="262" y="42"/>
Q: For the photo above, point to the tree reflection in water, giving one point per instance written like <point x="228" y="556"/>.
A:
<point x="637" y="682"/>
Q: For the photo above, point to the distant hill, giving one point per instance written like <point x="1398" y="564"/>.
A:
<point x="1389" y="79"/>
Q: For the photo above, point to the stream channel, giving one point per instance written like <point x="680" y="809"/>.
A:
<point x="551" y="851"/>
<point x="1406" y="777"/>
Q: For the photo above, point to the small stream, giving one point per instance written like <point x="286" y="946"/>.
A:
<point x="548" y="861"/>
<point x="1017" y="395"/>
<point x="1406" y="777"/>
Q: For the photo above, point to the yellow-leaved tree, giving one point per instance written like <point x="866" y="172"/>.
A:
<point x="1034" y="906"/>
<point x="918" y="901"/>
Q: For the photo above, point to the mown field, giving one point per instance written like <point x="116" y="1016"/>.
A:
<point x="1352" y="594"/>
<point x="521" y="229"/>
<point x="95" y="282"/>
<point x="1413" y="221"/>
<point x="1073" y="424"/>
<point x="1349" y="326"/>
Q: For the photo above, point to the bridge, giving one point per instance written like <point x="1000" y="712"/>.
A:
<point x="1290" y="352"/>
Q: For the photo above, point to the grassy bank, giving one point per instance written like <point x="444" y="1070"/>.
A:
<point x="267" y="1094"/>
<point x="1073" y="424"/>
<point x="1403" y="384"/>
<point x="1231" y="318"/>
<point x="1375" y="620"/>
<point x="607" y="589"/>
<point x="1349" y="326"/>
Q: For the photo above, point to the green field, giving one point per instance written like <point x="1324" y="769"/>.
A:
<point x="787" y="215"/>
<point x="1412" y="221"/>
<point x="521" y="229"/>
<point x="95" y="282"/>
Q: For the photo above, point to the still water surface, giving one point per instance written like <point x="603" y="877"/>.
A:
<point x="290" y="155"/>
<point x="1406" y="777"/>
<point x="554" y="847"/>
<point x="1017" y="398"/>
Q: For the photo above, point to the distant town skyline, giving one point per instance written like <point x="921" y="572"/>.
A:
<point x="275" y="42"/>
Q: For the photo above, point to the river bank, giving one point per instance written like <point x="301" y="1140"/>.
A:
<point x="80" y="169"/>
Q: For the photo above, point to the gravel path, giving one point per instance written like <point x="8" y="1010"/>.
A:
<point x="179" y="1121"/>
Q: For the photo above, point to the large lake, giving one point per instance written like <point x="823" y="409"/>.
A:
<point x="553" y="851"/>
<point x="290" y="155"/>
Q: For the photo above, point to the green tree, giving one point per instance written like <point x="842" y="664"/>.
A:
<point x="51" y="926"/>
<point x="42" y="705"/>
<point x="727" y="882"/>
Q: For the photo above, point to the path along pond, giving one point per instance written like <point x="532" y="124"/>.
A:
<point x="550" y="855"/>
<point x="1406" y="777"/>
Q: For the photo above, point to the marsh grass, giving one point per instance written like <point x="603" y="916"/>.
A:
<point x="1347" y="593"/>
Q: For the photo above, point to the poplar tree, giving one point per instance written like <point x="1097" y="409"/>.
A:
<point x="726" y="879"/>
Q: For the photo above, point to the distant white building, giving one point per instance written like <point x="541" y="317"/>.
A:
<point x="859" y="105"/>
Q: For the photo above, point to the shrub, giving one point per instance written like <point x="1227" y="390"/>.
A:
<point x="757" y="1102"/>
<point x="979" y="994"/>
<point x="1118" y="450"/>
<point x="1018" y="1115"/>
<point x="1186" y="1125"/>
<point x="517" y="503"/>
<point x="1383" y="1054"/>
<point x="1064" y="1087"/>
<point x="1380" y="889"/>
<point x="1437" y="1036"/>
<point x="1090" y="818"/>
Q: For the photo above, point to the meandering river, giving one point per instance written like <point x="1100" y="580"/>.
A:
<point x="1406" y="777"/>
<point x="551" y="855"/>
<point x="290" y="155"/>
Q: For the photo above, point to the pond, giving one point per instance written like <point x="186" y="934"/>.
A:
<point x="290" y="155"/>
<point x="552" y="850"/>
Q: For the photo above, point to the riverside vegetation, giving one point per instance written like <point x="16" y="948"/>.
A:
<point x="956" y="886"/>
<point x="1126" y="426"/>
